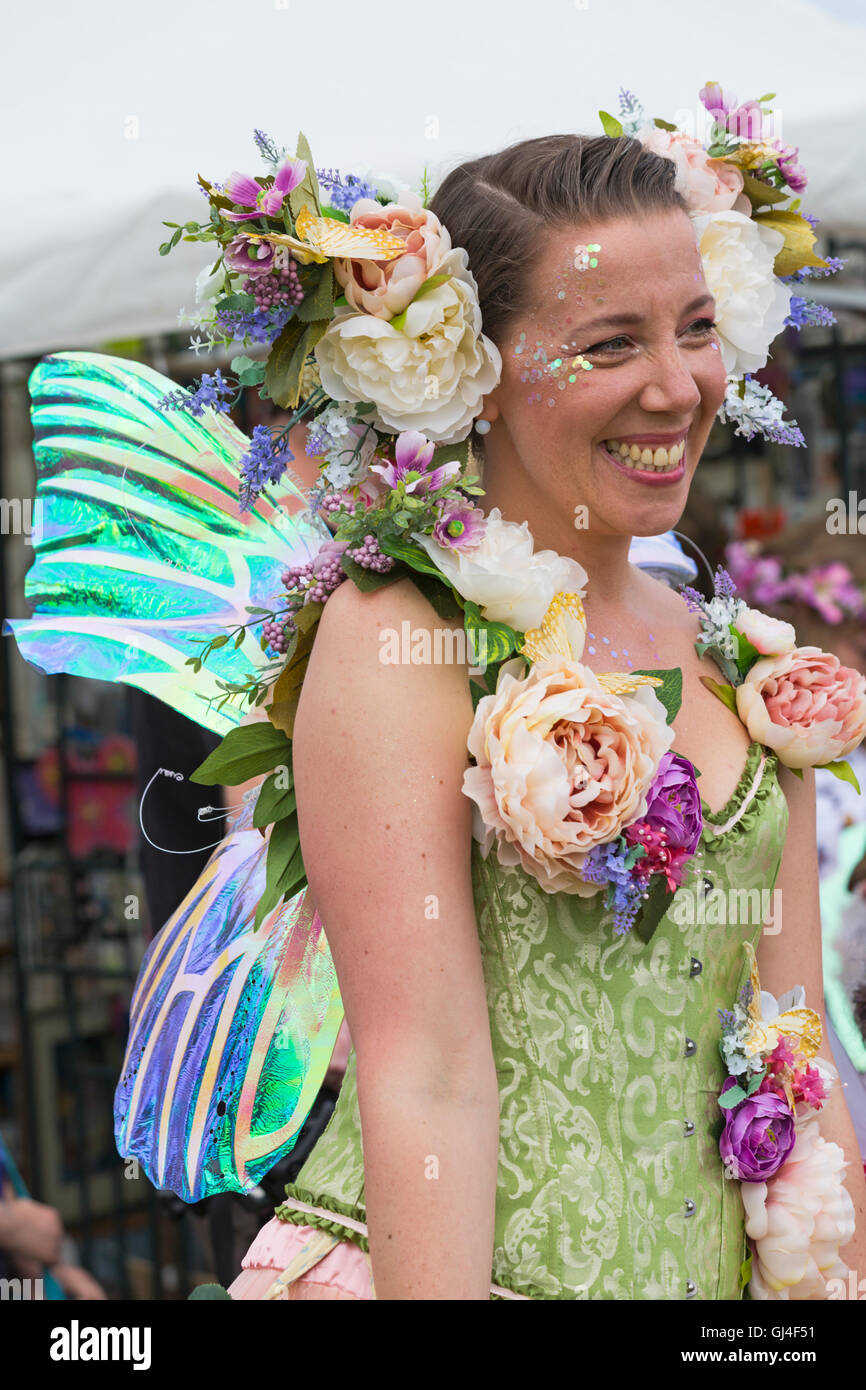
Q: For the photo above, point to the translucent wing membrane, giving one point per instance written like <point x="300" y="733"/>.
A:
<point x="141" y="550"/>
<point x="231" y="1031"/>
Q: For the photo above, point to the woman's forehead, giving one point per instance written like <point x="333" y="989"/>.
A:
<point x="616" y="267"/>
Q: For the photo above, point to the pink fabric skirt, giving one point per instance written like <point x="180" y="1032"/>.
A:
<point x="286" y="1261"/>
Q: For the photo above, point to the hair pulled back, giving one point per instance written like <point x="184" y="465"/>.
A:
<point x="498" y="206"/>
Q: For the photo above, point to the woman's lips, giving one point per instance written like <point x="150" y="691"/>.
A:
<point x="646" y="475"/>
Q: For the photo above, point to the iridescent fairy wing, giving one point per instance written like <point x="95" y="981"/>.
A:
<point x="141" y="551"/>
<point x="231" y="1031"/>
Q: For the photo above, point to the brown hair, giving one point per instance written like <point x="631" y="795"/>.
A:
<point x="496" y="206"/>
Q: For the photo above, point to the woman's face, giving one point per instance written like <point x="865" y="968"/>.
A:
<point x="631" y="305"/>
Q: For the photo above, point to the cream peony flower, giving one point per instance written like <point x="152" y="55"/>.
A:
<point x="428" y="375"/>
<point x="751" y="303"/>
<point x="708" y="185"/>
<point x="385" y="288"/>
<point x="562" y="765"/>
<point x="805" y="705"/>
<point x="509" y="583"/>
<point x="768" y="635"/>
<point x="799" y="1220"/>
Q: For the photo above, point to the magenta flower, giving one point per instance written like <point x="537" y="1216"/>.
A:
<point x="460" y="526"/>
<point x="263" y="202"/>
<point x="717" y="101"/>
<point x="249" y="258"/>
<point x="413" y="454"/>
<point x="792" y="171"/>
<point x="674" y="803"/>
<point x="758" y="1135"/>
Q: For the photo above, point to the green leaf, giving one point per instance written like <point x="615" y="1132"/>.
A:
<point x="307" y="192"/>
<point x="411" y="553"/>
<point x="284" y="869"/>
<point x="746" y="1270"/>
<point x="202" y="1293"/>
<point x="287" y="358"/>
<point x="318" y="300"/>
<point x="609" y="124"/>
<point x="663" y="125"/>
<point x="274" y="803"/>
<point x="243" y="303"/>
<point x="842" y="769"/>
<point x="726" y="693"/>
<point x="747" y="654"/>
<point x="245" y="752"/>
<point x="440" y="596"/>
<point x="670" y="692"/>
<point x="248" y="371"/>
<point x="797" y="771"/>
<point x="654" y="908"/>
<point x="755" y="1081"/>
<point x="768" y="96"/>
<point x="732" y="1097"/>
<point x="498" y="642"/>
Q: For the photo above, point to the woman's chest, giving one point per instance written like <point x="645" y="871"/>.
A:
<point x="708" y="733"/>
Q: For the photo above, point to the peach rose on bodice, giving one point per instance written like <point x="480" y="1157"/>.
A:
<point x="805" y="705"/>
<point x="384" y="288"/>
<point x="562" y="765"/>
<point x="708" y="185"/>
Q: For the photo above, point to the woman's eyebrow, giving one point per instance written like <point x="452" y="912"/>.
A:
<point x="626" y="320"/>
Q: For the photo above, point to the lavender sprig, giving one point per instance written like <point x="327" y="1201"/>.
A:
<point x="212" y="393"/>
<point x="806" y="313"/>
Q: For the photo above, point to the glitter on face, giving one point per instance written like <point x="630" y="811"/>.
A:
<point x="585" y="257"/>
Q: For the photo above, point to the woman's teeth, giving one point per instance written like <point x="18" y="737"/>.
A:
<point x="650" y="460"/>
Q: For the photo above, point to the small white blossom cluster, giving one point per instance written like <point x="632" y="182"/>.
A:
<point x="716" y="616"/>
<point x="345" y="444"/>
<point x="733" y="1044"/>
<point x="758" y="411"/>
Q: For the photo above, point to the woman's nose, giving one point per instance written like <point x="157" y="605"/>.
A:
<point x="670" y="385"/>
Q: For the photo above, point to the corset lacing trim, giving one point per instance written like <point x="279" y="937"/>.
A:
<point x="756" y="783"/>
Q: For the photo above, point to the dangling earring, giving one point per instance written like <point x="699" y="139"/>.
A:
<point x="482" y="426"/>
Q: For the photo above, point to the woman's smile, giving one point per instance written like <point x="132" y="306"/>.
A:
<point x="657" y="459"/>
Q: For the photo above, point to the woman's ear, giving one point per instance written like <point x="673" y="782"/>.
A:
<point x="491" y="408"/>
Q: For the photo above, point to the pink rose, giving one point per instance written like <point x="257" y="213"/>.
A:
<point x="384" y="288"/>
<point x="562" y="765"/>
<point x="805" y="705"/>
<point x="708" y="185"/>
<point x="768" y="635"/>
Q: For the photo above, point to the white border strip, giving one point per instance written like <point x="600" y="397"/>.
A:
<point x="747" y="801"/>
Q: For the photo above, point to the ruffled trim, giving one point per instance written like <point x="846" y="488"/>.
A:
<point x="326" y="1214"/>
<point x="324" y="1203"/>
<point x="735" y="816"/>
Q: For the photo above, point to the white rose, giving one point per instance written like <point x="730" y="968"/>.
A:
<point x="738" y="255"/>
<point x="770" y="636"/>
<point x="431" y="374"/>
<point x="208" y="287"/>
<point x="509" y="583"/>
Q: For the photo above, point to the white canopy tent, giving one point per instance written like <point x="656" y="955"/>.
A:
<point x="114" y="110"/>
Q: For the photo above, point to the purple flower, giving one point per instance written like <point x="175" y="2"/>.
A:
<point x="791" y="170"/>
<point x="246" y="257"/>
<point x="674" y="804"/>
<point x="263" y="202"/>
<point x="758" y="1135"/>
<point x="413" y="453"/>
<point x="460" y="526"/>
<point x="265" y="462"/>
<point x="717" y="101"/>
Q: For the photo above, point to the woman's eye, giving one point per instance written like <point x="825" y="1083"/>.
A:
<point x="610" y="345"/>
<point x="701" y="327"/>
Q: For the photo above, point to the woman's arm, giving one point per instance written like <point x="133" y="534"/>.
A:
<point x="793" y="957"/>
<point x="379" y="753"/>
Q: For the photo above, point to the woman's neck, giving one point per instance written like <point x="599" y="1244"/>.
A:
<point x="604" y="556"/>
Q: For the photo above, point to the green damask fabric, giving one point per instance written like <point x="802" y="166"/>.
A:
<point x="610" y="1183"/>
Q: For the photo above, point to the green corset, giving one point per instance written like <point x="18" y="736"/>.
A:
<point x="610" y="1183"/>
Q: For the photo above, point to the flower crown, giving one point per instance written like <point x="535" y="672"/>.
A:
<point x="371" y="317"/>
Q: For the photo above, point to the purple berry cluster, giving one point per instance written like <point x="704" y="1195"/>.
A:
<point x="370" y="557"/>
<point x="275" y="636"/>
<point x="276" y="289"/>
<point x="316" y="579"/>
